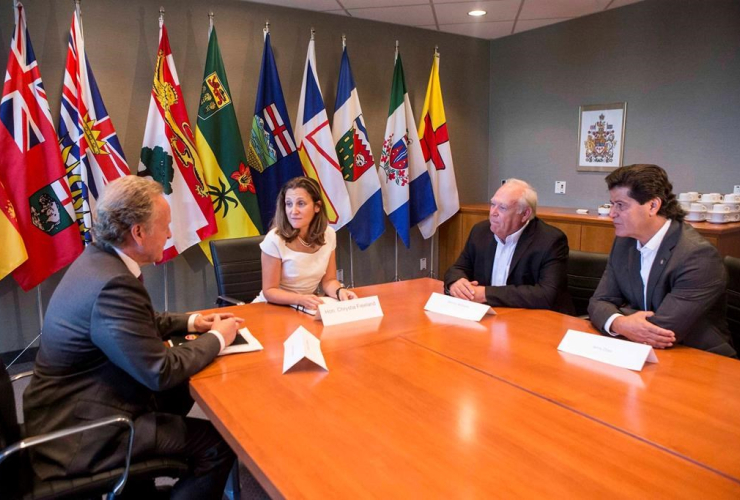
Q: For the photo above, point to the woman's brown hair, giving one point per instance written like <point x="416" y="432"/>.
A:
<point x="318" y="224"/>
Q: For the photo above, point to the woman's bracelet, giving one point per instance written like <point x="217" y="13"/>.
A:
<point x="340" y="288"/>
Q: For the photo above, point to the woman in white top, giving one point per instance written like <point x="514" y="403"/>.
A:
<point x="298" y="253"/>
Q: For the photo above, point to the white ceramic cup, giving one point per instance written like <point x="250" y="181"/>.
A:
<point x="696" y="216"/>
<point x="604" y="209"/>
<point x="694" y="195"/>
<point x="732" y="198"/>
<point x="711" y="197"/>
<point x="685" y="197"/>
<point x="721" y="207"/>
<point x="697" y="207"/>
<point x="718" y="217"/>
<point x="685" y="205"/>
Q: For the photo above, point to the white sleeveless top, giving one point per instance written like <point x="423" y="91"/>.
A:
<point x="301" y="272"/>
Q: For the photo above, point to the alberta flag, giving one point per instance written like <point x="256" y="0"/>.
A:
<point x="435" y="144"/>
<point x="356" y="159"/>
<point x="407" y="190"/>
<point x="90" y="149"/>
<point x="220" y="147"/>
<point x="316" y="146"/>
<point x="31" y="167"/>
<point x="168" y="155"/>
<point x="272" y="154"/>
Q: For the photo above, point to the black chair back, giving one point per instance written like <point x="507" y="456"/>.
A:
<point x="238" y="266"/>
<point x="732" y="264"/>
<point x="584" y="273"/>
<point x="10" y="433"/>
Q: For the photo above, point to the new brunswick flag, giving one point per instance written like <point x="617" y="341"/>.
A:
<point x="12" y="251"/>
<point x="221" y="151"/>
<point x="31" y="167"/>
<point x="168" y="155"/>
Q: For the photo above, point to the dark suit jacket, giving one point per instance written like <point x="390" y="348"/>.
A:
<point x="102" y="354"/>
<point x="686" y="289"/>
<point x="537" y="275"/>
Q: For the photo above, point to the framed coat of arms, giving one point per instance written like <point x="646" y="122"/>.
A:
<point x="601" y="136"/>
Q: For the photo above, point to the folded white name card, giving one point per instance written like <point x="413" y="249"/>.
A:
<point x="609" y="350"/>
<point x="302" y="344"/>
<point x="459" y="308"/>
<point x="336" y="313"/>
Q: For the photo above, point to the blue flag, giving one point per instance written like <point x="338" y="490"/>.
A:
<point x="357" y="162"/>
<point x="272" y="154"/>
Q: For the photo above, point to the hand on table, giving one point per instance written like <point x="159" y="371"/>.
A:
<point x="637" y="328"/>
<point x="468" y="290"/>
<point x="227" y="325"/>
<point x="344" y="294"/>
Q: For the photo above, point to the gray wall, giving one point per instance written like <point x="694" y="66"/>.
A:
<point x="675" y="62"/>
<point x="121" y="39"/>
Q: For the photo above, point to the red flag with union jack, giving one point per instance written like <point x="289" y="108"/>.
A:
<point x="31" y="166"/>
<point x="90" y="148"/>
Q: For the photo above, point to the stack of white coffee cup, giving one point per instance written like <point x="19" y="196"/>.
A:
<point x="710" y="207"/>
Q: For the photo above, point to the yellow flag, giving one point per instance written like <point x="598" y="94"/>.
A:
<point x="12" y="251"/>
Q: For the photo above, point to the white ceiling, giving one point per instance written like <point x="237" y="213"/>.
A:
<point x="503" y="18"/>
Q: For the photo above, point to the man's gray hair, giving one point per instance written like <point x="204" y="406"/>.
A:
<point x="528" y="198"/>
<point x="126" y="202"/>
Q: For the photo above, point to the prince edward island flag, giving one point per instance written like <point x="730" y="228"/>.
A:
<point x="221" y="152"/>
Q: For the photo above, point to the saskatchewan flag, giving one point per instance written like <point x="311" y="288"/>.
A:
<point x="221" y="151"/>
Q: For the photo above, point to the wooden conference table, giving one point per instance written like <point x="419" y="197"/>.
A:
<point x="420" y="405"/>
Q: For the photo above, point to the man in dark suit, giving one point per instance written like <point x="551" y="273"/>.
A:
<point x="664" y="283"/>
<point x="514" y="259"/>
<point x="103" y="353"/>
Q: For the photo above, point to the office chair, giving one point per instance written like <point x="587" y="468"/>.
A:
<point x="732" y="264"/>
<point x="19" y="481"/>
<point x="584" y="273"/>
<point x="238" y="266"/>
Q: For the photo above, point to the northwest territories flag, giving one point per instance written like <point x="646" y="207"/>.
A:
<point x="407" y="190"/>
<point x="31" y="167"/>
<point x="168" y="155"/>
<point x="435" y="144"/>
<point x="272" y="155"/>
<point x="90" y="148"/>
<point x="356" y="160"/>
<point x="316" y="146"/>
<point x="221" y="150"/>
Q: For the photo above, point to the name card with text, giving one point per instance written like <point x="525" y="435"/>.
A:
<point x="302" y="344"/>
<point x="336" y="313"/>
<point x="458" y="308"/>
<point x="617" y="352"/>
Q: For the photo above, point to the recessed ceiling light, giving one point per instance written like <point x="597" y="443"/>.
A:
<point x="477" y="13"/>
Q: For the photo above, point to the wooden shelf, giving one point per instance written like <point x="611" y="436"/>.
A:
<point x="587" y="232"/>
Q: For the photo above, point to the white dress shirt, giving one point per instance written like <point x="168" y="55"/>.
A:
<point x="647" y="258"/>
<point x="504" y="254"/>
<point x="135" y="269"/>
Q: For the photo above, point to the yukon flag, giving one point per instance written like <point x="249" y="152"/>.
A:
<point x="12" y="251"/>
<point x="435" y="144"/>
<point x="90" y="148"/>
<point x="316" y="146"/>
<point x="168" y="156"/>
<point x="31" y="167"/>
<point x="407" y="190"/>
<point x="356" y="159"/>
<point x="220" y="147"/>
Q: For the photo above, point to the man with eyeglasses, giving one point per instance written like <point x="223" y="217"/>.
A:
<point x="514" y="259"/>
<point x="664" y="283"/>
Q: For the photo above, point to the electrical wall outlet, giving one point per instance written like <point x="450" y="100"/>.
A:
<point x="737" y="189"/>
<point x="559" y="187"/>
<point x="340" y="275"/>
<point x="422" y="264"/>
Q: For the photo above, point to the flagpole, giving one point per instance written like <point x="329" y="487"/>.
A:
<point x="210" y="24"/>
<point x="396" y="278"/>
<point x="434" y="236"/>
<point x="351" y="264"/>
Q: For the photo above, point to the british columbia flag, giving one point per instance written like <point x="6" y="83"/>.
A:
<point x="90" y="149"/>
<point x="31" y="167"/>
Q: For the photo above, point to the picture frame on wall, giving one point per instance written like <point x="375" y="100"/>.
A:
<point x="601" y="136"/>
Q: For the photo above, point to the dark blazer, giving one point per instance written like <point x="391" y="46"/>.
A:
<point x="101" y="354"/>
<point x="686" y="289"/>
<point x="537" y="275"/>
